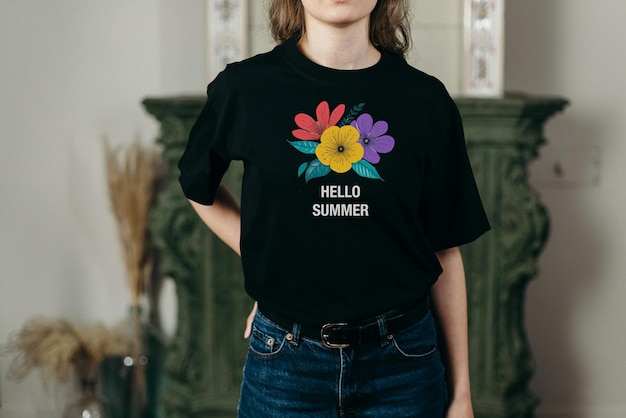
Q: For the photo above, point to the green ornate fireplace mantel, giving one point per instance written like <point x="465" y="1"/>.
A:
<point x="206" y="356"/>
<point x="503" y="136"/>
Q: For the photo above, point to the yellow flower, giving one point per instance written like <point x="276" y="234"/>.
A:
<point x="339" y="148"/>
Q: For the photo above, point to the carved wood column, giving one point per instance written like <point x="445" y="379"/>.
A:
<point x="204" y="362"/>
<point x="503" y="136"/>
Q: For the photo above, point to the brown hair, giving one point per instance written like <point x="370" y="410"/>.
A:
<point x="389" y="23"/>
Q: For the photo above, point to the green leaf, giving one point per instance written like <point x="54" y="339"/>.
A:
<point x="302" y="168"/>
<point x="306" y="147"/>
<point x="316" y="169"/>
<point x="365" y="169"/>
<point x="354" y="112"/>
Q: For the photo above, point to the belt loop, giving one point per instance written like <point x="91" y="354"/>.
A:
<point x="382" y="329"/>
<point x="295" y="334"/>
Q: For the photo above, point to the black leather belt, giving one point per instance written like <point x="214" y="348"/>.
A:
<point x="346" y="334"/>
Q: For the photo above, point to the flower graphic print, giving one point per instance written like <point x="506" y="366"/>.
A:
<point x="313" y="129"/>
<point x="339" y="148"/>
<point x="341" y="142"/>
<point x="373" y="138"/>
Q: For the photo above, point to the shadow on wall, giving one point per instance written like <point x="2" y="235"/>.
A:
<point x="534" y="31"/>
<point x="556" y="300"/>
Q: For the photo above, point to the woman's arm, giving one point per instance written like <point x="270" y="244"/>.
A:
<point x="449" y="297"/>
<point x="223" y="217"/>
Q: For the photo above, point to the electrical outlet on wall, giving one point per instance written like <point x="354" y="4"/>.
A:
<point x="567" y="165"/>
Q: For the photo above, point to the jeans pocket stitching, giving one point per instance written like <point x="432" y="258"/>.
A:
<point x="265" y="355"/>
<point x="420" y="356"/>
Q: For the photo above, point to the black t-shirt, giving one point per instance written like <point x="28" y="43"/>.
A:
<point x="353" y="179"/>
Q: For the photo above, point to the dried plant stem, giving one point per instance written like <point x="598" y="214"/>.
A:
<point x="132" y="180"/>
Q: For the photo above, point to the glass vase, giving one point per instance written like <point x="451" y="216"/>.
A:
<point x="133" y="381"/>
<point x="88" y="404"/>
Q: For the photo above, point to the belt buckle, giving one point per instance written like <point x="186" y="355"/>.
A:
<point x="324" y="335"/>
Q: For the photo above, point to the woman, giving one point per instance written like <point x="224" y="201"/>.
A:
<point x="357" y="192"/>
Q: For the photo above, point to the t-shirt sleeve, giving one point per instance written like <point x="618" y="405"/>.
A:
<point x="451" y="211"/>
<point x="205" y="159"/>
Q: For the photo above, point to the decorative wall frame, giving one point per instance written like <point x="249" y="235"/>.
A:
<point x="483" y="48"/>
<point x="226" y="32"/>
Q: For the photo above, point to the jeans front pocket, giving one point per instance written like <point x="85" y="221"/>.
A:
<point x="266" y="341"/>
<point x="418" y="342"/>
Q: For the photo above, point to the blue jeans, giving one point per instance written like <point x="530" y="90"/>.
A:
<point x="290" y="376"/>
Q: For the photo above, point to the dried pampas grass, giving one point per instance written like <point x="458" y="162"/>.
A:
<point x="61" y="349"/>
<point x="134" y="175"/>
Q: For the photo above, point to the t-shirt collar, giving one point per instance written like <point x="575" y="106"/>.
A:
<point x="331" y="75"/>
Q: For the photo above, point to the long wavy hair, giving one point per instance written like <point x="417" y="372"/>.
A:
<point x="389" y="23"/>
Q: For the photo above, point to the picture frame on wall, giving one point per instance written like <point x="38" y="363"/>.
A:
<point x="483" y="65"/>
<point x="226" y="34"/>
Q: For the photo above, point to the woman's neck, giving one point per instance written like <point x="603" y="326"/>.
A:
<point x="347" y="48"/>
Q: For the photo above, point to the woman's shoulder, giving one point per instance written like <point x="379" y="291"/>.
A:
<point x="243" y="75"/>
<point x="259" y="62"/>
<point x="427" y="81"/>
<point x="414" y="78"/>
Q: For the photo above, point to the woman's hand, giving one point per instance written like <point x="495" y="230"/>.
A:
<point x="460" y="408"/>
<point x="248" y="330"/>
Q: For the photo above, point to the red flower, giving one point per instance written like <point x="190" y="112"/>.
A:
<point x="312" y="129"/>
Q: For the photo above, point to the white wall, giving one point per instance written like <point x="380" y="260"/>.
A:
<point x="575" y="308"/>
<point x="73" y="71"/>
<point x="437" y="32"/>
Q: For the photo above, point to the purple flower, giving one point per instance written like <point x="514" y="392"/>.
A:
<point x="373" y="138"/>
